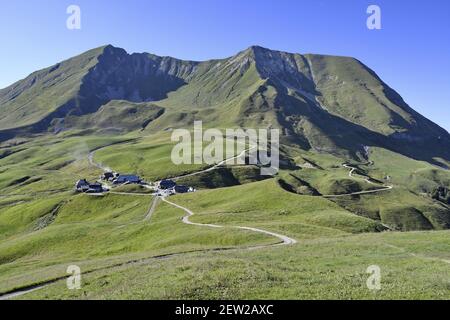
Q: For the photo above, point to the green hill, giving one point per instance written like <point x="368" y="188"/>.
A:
<point x="363" y="180"/>
<point x="330" y="104"/>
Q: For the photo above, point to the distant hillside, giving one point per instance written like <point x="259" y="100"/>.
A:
<point x="329" y="104"/>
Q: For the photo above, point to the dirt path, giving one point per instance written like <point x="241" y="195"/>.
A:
<point x="20" y="293"/>
<point x="96" y="164"/>
<point x="284" y="239"/>
<point x="415" y="255"/>
<point x="350" y="174"/>
<point x="152" y="209"/>
<point x="216" y="166"/>
<point x="100" y="165"/>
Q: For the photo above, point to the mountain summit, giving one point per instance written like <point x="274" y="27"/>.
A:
<point x="327" y="103"/>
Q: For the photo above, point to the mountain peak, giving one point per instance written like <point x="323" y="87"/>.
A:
<point x="112" y="50"/>
<point x="257" y="48"/>
<point x="256" y="51"/>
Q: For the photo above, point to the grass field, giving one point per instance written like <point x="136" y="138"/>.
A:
<point x="334" y="115"/>
<point x="45" y="226"/>
<point x="332" y="268"/>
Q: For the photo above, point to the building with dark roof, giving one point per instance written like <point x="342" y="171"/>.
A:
<point x="182" y="189"/>
<point x="109" y="176"/>
<point x="82" y="185"/>
<point x="95" y="188"/>
<point x="167" y="184"/>
<point x="122" y="179"/>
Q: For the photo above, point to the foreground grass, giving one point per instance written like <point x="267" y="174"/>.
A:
<point x="333" y="268"/>
<point x="328" y="262"/>
<point x="89" y="228"/>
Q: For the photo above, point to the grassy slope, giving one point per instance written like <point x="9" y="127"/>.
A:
<point x="419" y="176"/>
<point x="351" y="91"/>
<point x="50" y="164"/>
<point x="327" y="263"/>
<point x="89" y="228"/>
<point x="408" y="206"/>
<point x="149" y="158"/>
<point x="330" y="262"/>
<point x="264" y="204"/>
<point x="318" y="269"/>
<point x="21" y="109"/>
<point x="34" y="237"/>
<point x="94" y="232"/>
<point x="121" y="116"/>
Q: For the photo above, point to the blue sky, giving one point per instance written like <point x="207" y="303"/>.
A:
<point x="411" y="52"/>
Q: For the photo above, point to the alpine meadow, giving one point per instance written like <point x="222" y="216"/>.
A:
<point x="87" y="180"/>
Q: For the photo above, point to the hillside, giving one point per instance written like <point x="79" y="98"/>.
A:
<point x="83" y="84"/>
<point x="363" y="180"/>
<point x="325" y="103"/>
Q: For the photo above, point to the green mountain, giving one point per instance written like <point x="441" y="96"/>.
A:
<point x="83" y="84"/>
<point x="330" y="104"/>
<point x="326" y="108"/>
<point x="363" y="180"/>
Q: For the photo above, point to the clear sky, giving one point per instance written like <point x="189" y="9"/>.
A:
<point x="411" y="52"/>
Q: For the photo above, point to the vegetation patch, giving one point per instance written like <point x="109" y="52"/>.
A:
<point x="224" y="177"/>
<point x="48" y="219"/>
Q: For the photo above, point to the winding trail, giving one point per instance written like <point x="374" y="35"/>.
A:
<point x="93" y="151"/>
<point x="216" y="166"/>
<point x="96" y="164"/>
<point x="367" y="179"/>
<point x="284" y="239"/>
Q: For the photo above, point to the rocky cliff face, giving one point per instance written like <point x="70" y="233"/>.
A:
<point x="136" y="77"/>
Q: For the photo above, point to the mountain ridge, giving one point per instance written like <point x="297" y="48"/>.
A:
<point x="329" y="103"/>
